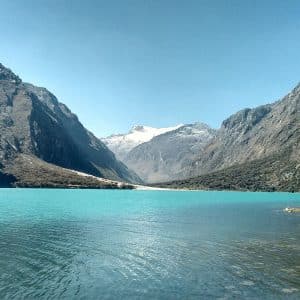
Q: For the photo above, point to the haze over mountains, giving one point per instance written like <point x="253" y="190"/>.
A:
<point x="38" y="132"/>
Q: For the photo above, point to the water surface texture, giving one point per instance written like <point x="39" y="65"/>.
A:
<point x="104" y="244"/>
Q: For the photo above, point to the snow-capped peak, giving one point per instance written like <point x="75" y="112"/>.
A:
<point x="121" y="144"/>
<point x="141" y="134"/>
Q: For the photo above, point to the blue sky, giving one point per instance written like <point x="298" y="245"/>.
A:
<point x="154" y="62"/>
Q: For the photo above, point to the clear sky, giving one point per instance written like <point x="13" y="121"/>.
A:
<point x="154" y="62"/>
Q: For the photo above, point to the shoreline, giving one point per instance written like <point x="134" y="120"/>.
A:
<point x="136" y="188"/>
<point x="109" y="184"/>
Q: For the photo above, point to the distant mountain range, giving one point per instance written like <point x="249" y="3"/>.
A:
<point x="38" y="133"/>
<point x="255" y="149"/>
<point x="122" y="144"/>
<point x="165" y="155"/>
<point x="43" y="144"/>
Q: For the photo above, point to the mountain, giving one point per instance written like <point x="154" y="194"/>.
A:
<point x="122" y="144"/>
<point x="253" y="134"/>
<point x="256" y="149"/>
<point x="276" y="172"/>
<point x="165" y="156"/>
<point x="37" y="130"/>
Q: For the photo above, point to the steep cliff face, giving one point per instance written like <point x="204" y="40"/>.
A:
<point x="252" y="134"/>
<point x="33" y="122"/>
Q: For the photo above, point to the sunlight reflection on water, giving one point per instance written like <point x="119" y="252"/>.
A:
<point x="163" y="245"/>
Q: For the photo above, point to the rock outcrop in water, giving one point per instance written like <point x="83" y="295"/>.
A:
<point x="37" y="131"/>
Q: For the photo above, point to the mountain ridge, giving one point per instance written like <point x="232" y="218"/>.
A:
<point x="40" y="133"/>
<point x="164" y="156"/>
<point x="33" y="122"/>
<point x="252" y="134"/>
<point x="122" y="144"/>
<point x="255" y="149"/>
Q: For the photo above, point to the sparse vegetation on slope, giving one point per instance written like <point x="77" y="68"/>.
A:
<point x="274" y="173"/>
<point x="28" y="171"/>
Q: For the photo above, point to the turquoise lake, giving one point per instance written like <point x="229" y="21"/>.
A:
<point x="114" y="244"/>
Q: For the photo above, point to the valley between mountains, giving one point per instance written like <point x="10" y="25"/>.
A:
<point x="255" y="149"/>
<point x="43" y="144"/>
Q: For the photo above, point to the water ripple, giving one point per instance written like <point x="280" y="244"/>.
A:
<point x="188" y="252"/>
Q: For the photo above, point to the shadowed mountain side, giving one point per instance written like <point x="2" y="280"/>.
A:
<point x="30" y="171"/>
<point x="6" y="180"/>
<point x="33" y="122"/>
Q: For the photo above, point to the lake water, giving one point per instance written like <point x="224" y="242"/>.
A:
<point x="104" y="244"/>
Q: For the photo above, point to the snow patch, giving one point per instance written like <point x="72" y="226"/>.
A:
<point x="121" y="144"/>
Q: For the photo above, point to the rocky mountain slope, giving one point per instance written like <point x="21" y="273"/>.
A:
<point x="252" y="134"/>
<point x="122" y="144"/>
<point x="33" y="123"/>
<point x="29" y="171"/>
<point x="276" y="172"/>
<point x="255" y="149"/>
<point x="165" y="156"/>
